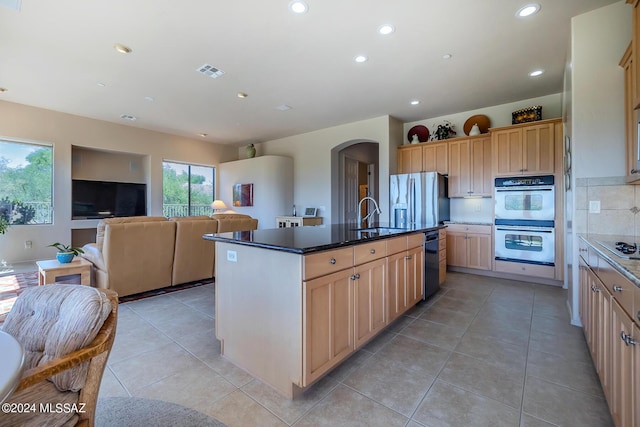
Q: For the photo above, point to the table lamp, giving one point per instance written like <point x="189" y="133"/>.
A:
<point x="218" y="205"/>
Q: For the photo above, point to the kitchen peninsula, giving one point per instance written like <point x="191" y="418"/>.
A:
<point x="292" y="303"/>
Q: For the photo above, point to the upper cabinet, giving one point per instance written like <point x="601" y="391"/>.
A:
<point x="635" y="47"/>
<point x="470" y="167"/>
<point x="631" y="130"/>
<point x="524" y="149"/>
<point x="424" y="157"/>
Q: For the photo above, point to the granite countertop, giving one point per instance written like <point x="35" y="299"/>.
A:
<point x="629" y="268"/>
<point x="469" y="222"/>
<point x="304" y="240"/>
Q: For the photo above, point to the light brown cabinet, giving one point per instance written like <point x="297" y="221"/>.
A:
<point x="442" y="256"/>
<point x="470" y="171"/>
<point x="469" y="246"/>
<point x="635" y="45"/>
<point x="424" y="157"/>
<point x="370" y="315"/>
<point x="405" y="264"/>
<point x="525" y="149"/>
<point x="606" y="308"/>
<point x="630" y="121"/>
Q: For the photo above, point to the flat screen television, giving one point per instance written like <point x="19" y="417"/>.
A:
<point x="106" y="199"/>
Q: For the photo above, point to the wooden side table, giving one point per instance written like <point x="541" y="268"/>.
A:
<point x="49" y="270"/>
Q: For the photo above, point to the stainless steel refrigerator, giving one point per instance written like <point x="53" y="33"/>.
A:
<point x="418" y="199"/>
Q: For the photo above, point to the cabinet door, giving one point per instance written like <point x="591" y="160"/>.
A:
<point x="410" y="159"/>
<point x="506" y="152"/>
<point x="396" y="285"/>
<point x="456" y="249"/>
<point x="538" y="143"/>
<point x="636" y="53"/>
<point x="479" y="251"/>
<point x="459" y="168"/>
<point x="622" y="363"/>
<point x="603" y="339"/>
<point x="370" y="303"/>
<point x="414" y="275"/>
<point x="327" y="323"/>
<point x="481" y="173"/>
<point x="628" y="63"/>
<point x="435" y="157"/>
<point x="583" y="306"/>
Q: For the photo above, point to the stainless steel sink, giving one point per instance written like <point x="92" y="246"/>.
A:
<point x="375" y="231"/>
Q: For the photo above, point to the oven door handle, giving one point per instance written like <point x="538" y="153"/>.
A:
<point x="526" y="229"/>
<point x="500" y="189"/>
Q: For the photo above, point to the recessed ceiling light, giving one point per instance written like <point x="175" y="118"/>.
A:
<point x="149" y="98"/>
<point x="536" y="73"/>
<point x="528" y="10"/>
<point x="283" y="107"/>
<point x="203" y="135"/>
<point x="415" y="102"/>
<point x="447" y="56"/>
<point x="241" y="95"/>
<point x="122" y="48"/>
<point x="386" y="29"/>
<point x="101" y="84"/>
<point x="298" y="6"/>
<point x="360" y="58"/>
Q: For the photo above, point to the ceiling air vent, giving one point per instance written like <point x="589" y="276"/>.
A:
<point x="128" y="117"/>
<point x="211" y="71"/>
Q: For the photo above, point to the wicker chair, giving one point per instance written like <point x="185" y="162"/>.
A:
<point x="67" y="332"/>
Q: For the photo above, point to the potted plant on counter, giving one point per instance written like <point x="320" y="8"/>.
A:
<point x="66" y="252"/>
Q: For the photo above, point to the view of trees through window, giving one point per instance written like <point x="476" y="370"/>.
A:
<point x="187" y="189"/>
<point x="26" y="175"/>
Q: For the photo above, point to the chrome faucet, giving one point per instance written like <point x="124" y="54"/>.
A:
<point x="370" y="214"/>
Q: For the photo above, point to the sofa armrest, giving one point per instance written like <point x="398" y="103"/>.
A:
<point x="93" y="255"/>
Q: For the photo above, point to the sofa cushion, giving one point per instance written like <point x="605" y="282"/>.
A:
<point x="194" y="257"/>
<point x="121" y="220"/>
<point x="54" y="320"/>
<point x="235" y="222"/>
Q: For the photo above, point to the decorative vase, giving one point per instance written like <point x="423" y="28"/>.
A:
<point x="414" y="139"/>
<point x="64" y="257"/>
<point x="475" y="130"/>
<point x="251" y="151"/>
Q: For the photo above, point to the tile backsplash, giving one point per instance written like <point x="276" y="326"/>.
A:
<point x="619" y="206"/>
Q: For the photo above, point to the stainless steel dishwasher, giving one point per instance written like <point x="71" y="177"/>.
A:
<point x="431" y="263"/>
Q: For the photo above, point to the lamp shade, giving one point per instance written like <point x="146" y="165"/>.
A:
<point x="218" y="205"/>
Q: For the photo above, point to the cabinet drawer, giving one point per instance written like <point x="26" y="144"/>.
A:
<point x="369" y="251"/>
<point x="396" y="245"/>
<point x="619" y="286"/>
<point x="443" y="255"/>
<point x="442" y="233"/>
<point x="528" y="269"/>
<point x="470" y="228"/>
<point x="326" y="262"/>
<point x="415" y="240"/>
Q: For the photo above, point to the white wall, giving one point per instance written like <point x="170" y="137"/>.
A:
<point x="499" y="115"/>
<point x="598" y="40"/>
<point x="272" y="179"/>
<point x="64" y="131"/>
<point x="311" y="153"/>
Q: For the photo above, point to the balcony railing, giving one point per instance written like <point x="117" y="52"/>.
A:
<point x="183" y="210"/>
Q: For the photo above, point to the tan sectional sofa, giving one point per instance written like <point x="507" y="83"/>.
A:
<point x="138" y="254"/>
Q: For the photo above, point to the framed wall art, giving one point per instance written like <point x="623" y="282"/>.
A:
<point x="243" y="195"/>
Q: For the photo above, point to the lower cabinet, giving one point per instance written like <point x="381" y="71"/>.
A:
<point x="469" y="246"/>
<point x="344" y="309"/>
<point x="606" y="307"/>
<point x="442" y="256"/>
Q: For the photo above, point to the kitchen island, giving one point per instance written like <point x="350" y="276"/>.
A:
<point x="292" y="303"/>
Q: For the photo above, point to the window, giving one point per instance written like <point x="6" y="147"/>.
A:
<point x="26" y="176"/>
<point x="187" y="189"/>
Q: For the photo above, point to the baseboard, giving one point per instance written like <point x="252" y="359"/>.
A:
<point x="510" y="276"/>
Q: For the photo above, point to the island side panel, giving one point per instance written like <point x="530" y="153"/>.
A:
<point x="259" y="312"/>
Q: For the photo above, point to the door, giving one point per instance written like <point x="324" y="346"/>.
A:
<point x="622" y="359"/>
<point x="370" y="290"/>
<point x="327" y="323"/>
<point x="351" y="190"/>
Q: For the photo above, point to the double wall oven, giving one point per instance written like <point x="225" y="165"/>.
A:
<point x="525" y="219"/>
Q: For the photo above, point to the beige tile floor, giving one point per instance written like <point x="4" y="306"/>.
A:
<point x="481" y="352"/>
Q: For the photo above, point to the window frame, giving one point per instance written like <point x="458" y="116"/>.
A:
<point x="190" y="208"/>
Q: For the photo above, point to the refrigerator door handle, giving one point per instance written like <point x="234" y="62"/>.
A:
<point x="411" y="200"/>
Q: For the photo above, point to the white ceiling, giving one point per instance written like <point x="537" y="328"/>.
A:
<point x="53" y="54"/>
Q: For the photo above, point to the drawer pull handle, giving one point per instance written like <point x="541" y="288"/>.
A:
<point x="332" y="261"/>
<point x="408" y="257"/>
<point x="583" y="250"/>
<point x="372" y="251"/>
<point x="628" y="339"/>
<point x="355" y="276"/>
<point x="617" y="288"/>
